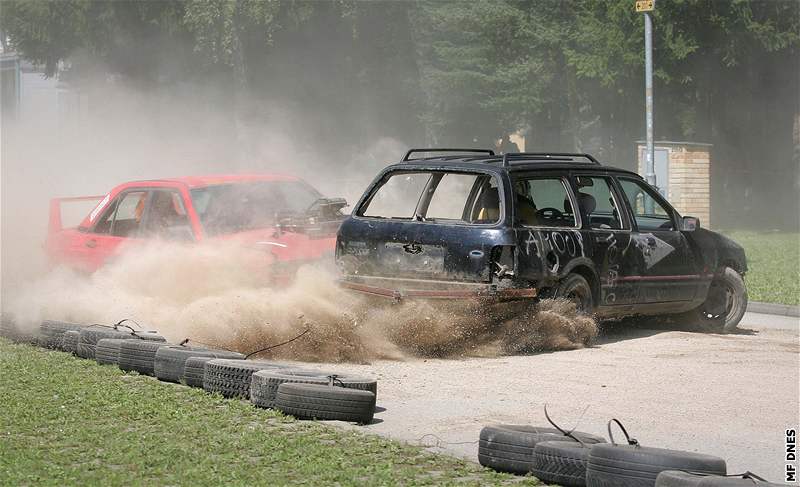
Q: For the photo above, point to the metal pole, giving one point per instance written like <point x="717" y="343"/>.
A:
<point x="650" y="173"/>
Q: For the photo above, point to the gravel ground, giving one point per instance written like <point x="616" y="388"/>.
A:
<point x="728" y="395"/>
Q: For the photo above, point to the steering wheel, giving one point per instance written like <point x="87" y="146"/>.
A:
<point x="555" y="213"/>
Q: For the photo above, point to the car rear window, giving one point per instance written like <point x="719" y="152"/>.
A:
<point x="436" y="196"/>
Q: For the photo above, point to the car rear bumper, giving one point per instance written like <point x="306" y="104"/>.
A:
<point x="403" y="289"/>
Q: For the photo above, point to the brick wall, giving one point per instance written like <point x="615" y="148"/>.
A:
<point x="689" y="180"/>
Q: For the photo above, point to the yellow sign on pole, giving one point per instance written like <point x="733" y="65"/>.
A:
<point x="644" y="5"/>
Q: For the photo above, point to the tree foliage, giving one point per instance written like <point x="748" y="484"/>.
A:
<point x="567" y="73"/>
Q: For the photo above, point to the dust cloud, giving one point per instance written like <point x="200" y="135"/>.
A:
<point x="84" y="142"/>
<point x="214" y="294"/>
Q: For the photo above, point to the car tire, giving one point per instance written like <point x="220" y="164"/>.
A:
<point x="576" y="288"/>
<point x="314" y="401"/>
<point x="106" y="351"/>
<point x="264" y="383"/>
<point x="139" y="355"/>
<point x="637" y="466"/>
<point x="70" y="341"/>
<point x="675" y="478"/>
<point x="170" y="361"/>
<point x="511" y="448"/>
<point x="725" y="304"/>
<point x="194" y="371"/>
<point x="53" y="332"/>
<point x="232" y="378"/>
<point x="561" y="462"/>
<point x="90" y="335"/>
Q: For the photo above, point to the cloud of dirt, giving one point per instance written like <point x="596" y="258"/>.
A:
<point x="69" y="141"/>
<point x="216" y="294"/>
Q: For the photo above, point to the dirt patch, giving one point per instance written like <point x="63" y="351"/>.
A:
<point x="215" y="295"/>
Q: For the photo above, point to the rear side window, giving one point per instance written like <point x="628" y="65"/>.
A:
<point x="397" y="197"/>
<point x="598" y="205"/>
<point x="129" y="214"/>
<point x="124" y="216"/>
<point x="543" y="202"/>
<point x="443" y="197"/>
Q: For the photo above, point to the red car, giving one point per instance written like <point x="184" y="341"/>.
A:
<point x="281" y="214"/>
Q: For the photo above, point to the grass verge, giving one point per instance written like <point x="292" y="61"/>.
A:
<point x="67" y="421"/>
<point x="773" y="260"/>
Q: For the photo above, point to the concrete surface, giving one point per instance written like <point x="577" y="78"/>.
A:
<point x="728" y="395"/>
<point x="773" y="309"/>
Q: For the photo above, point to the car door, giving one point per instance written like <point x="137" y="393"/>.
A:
<point x="549" y="240"/>
<point x="607" y="232"/>
<point x="119" y="224"/>
<point x="667" y="268"/>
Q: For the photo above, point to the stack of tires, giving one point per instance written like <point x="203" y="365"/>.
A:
<point x="581" y="459"/>
<point x="309" y="394"/>
<point x="52" y="333"/>
<point x="170" y="362"/>
<point x="303" y="393"/>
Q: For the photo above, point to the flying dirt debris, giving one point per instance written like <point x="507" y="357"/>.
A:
<point x="206" y="293"/>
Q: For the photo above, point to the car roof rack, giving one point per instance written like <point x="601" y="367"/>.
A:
<point x="548" y="157"/>
<point x="407" y="157"/>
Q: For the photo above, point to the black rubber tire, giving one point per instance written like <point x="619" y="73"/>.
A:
<point x="106" y="351"/>
<point x="170" y="361"/>
<point x="70" y="342"/>
<point x="90" y="335"/>
<point x="561" y="462"/>
<point x="194" y="371"/>
<point x="139" y="355"/>
<point x="577" y="289"/>
<point x="638" y="466"/>
<point x="53" y="332"/>
<point x="510" y="447"/>
<point x="724" y="307"/>
<point x="232" y="378"/>
<point x="264" y="383"/>
<point x="675" y="478"/>
<point x="313" y="401"/>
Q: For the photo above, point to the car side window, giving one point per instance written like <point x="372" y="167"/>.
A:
<point x="128" y="216"/>
<point x="167" y="217"/>
<point x="543" y="202"/>
<point x="647" y="211"/>
<point x="598" y="205"/>
<point x="103" y="224"/>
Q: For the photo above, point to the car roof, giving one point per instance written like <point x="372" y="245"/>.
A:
<point x="215" y="179"/>
<point x="494" y="164"/>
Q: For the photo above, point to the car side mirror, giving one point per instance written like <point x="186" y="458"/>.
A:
<point x="690" y="223"/>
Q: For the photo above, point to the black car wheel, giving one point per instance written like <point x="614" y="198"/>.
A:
<point x="576" y="288"/>
<point x="725" y="304"/>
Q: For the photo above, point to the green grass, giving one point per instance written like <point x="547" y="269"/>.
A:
<point x="67" y="421"/>
<point x="773" y="260"/>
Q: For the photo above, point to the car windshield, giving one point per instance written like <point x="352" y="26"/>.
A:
<point x="238" y="207"/>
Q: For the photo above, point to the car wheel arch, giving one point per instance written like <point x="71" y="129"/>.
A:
<point x="585" y="268"/>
